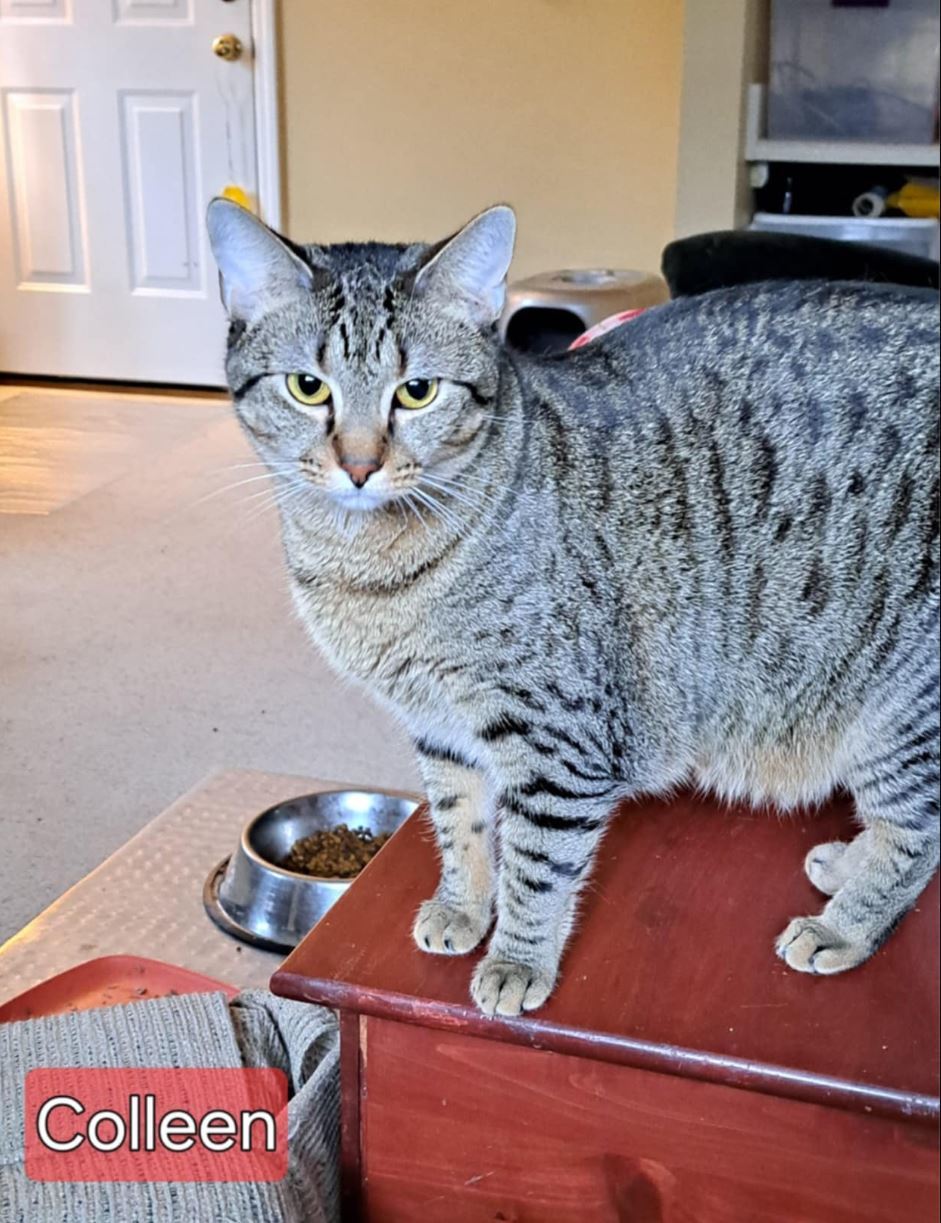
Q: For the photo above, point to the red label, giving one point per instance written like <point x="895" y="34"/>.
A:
<point x="156" y="1125"/>
<point x="606" y="325"/>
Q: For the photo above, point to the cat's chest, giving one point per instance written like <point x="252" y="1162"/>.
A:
<point x="404" y="650"/>
<point x="438" y="643"/>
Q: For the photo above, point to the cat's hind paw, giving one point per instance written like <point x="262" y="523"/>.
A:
<point x="503" y="987"/>
<point x="444" y="929"/>
<point x="810" y="945"/>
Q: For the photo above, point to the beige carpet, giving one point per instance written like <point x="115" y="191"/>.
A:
<point x="147" y="637"/>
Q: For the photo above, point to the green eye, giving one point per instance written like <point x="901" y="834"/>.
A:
<point x="308" y="389"/>
<point x="416" y="393"/>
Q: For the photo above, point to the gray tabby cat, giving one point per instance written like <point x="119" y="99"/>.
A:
<point x="702" y="547"/>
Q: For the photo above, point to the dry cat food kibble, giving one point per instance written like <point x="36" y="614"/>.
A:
<point x="334" y="853"/>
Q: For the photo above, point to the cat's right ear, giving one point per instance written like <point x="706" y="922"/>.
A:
<point x="256" y="268"/>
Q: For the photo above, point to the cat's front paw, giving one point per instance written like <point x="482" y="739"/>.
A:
<point x="444" y="929"/>
<point x="810" y="945"/>
<point x="827" y="866"/>
<point x="504" y="987"/>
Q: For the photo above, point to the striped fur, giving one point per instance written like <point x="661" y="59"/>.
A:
<point x="703" y="547"/>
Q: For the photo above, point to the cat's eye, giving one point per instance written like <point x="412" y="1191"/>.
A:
<point x="308" y="389"/>
<point x="416" y="393"/>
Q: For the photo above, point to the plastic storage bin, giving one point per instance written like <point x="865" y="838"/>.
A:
<point x="852" y="71"/>
<point x="905" y="234"/>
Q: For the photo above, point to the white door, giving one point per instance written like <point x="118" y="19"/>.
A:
<point x="118" y="124"/>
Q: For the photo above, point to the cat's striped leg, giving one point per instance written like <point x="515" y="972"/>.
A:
<point x="459" y="914"/>
<point x="548" y="837"/>
<point x="875" y="879"/>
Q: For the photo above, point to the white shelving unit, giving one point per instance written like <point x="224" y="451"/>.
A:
<point x="759" y="149"/>
<point x="916" y="236"/>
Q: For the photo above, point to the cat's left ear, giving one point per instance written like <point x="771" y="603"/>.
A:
<point x="472" y="266"/>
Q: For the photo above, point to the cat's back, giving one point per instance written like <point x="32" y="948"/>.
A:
<point x="781" y="436"/>
<point x="833" y="311"/>
<point x="804" y="376"/>
<point x="794" y="349"/>
<point x="793" y="339"/>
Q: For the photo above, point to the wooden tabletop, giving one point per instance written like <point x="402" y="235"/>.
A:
<point x="672" y="967"/>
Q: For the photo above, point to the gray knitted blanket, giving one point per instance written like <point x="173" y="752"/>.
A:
<point x="203" y="1030"/>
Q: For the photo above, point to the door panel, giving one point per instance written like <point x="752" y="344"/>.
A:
<point x="119" y="125"/>
<point x="34" y="10"/>
<point x="161" y="194"/>
<point x="146" y="12"/>
<point x="47" y="230"/>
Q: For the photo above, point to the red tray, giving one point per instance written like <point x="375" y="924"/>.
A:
<point x="107" y="981"/>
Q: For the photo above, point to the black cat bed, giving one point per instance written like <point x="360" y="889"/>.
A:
<point x="736" y="257"/>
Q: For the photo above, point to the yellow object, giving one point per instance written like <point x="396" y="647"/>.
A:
<point x="917" y="200"/>
<point x="238" y="196"/>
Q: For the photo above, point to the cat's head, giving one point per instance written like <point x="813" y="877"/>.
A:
<point x="363" y="369"/>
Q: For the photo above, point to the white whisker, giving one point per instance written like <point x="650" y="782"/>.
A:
<point x="463" y="496"/>
<point x="469" y="484"/>
<point x="282" y="498"/>
<point x="445" y="515"/>
<point x="228" y="488"/>
<point x="238" y="466"/>
<point x="414" y="508"/>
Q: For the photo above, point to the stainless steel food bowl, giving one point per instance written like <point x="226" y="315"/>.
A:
<point x="255" y="899"/>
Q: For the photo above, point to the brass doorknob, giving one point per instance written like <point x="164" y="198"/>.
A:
<point x="226" y="46"/>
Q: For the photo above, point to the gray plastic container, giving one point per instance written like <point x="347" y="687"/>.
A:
<point x="854" y="72"/>
<point x="908" y="235"/>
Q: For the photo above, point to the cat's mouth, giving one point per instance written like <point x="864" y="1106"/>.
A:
<point x="349" y="493"/>
<point x="379" y="492"/>
<point x="361" y="499"/>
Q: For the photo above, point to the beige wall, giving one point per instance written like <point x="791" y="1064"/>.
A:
<point x="724" y="49"/>
<point x="404" y="117"/>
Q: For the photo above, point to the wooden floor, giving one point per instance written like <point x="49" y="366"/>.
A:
<point x="56" y="446"/>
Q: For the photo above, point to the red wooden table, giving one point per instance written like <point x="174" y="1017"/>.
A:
<point x="680" y="1073"/>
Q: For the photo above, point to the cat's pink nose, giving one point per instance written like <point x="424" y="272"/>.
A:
<point x="359" y="470"/>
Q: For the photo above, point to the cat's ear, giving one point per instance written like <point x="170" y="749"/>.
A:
<point x="472" y="266"/>
<point x="256" y="267"/>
